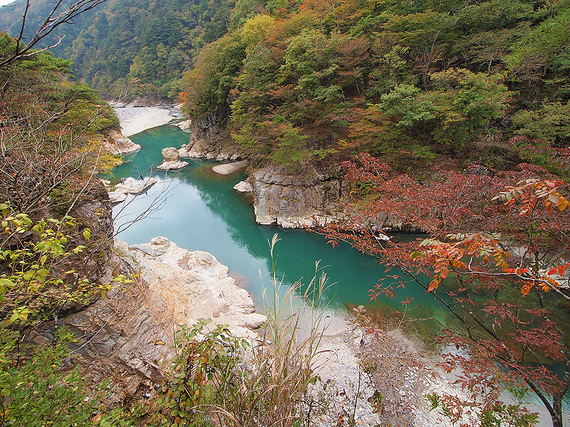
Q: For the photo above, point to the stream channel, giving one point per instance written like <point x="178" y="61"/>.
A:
<point x="199" y="210"/>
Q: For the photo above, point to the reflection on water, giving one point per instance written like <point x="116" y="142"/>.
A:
<point x="200" y="211"/>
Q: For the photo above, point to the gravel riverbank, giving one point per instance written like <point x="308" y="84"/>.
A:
<point x="137" y="119"/>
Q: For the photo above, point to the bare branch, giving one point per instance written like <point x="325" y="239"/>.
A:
<point x="57" y="16"/>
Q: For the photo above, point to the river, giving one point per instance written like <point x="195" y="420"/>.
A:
<point x="198" y="209"/>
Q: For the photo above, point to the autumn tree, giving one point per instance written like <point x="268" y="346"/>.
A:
<point x="496" y="258"/>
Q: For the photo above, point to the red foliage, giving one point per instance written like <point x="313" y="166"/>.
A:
<point x="497" y="255"/>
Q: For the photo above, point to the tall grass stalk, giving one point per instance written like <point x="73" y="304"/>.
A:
<point x="267" y="385"/>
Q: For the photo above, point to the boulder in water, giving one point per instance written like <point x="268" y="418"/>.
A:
<point x="171" y="160"/>
<point x="229" y="168"/>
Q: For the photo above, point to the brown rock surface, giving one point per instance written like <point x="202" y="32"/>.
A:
<point x="127" y="336"/>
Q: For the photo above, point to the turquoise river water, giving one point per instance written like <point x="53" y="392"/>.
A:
<point x="198" y="210"/>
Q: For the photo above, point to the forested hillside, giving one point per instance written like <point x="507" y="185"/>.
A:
<point x="133" y="47"/>
<point x="450" y="116"/>
<point x="401" y="80"/>
<point x="456" y="116"/>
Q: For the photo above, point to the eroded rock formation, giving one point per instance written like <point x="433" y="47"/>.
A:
<point x="171" y="160"/>
<point x="118" y="144"/>
<point x="295" y="200"/>
<point x="210" y="139"/>
<point x="127" y="336"/>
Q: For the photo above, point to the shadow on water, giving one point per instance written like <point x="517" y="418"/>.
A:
<point x="203" y="212"/>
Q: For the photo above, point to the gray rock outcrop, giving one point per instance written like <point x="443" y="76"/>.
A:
<point x="295" y="200"/>
<point x="210" y="139"/>
<point x="120" y="145"/>
<point x="128" y="335"/>
<point x="243" y="187"/>
<point x="130" y="186"/>
<point x="171" y="160"/>
<point x="185" y="125"/>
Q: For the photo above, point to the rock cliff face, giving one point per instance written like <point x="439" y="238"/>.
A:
<point x="209" y="139"/>
<point x="127" y="336"/>
<point x="308" y="199"/>
<point x="292" y="200"/>
<point x="295" y="200"/>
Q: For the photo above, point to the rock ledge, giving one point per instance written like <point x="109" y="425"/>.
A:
<point x="127" y="336"/>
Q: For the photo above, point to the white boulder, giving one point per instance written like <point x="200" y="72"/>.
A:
<point x="171" y="160"/>
<point x="130" y="186"/>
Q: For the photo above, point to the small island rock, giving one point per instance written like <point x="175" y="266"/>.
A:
<point x="171" y="160"/>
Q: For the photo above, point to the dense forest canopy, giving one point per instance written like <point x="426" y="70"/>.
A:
<point x="129" y="48"/>
<point x="397" y="79"/>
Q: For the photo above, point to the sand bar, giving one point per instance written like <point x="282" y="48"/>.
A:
<point x="137" y="119"/>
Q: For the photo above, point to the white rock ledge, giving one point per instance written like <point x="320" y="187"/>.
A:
<point x="229" y="168"/>
<point x="187" y="286"/>
<point x="129" y="186"/>
<point x="128" y="335"/>
<point x="119" y="145"/>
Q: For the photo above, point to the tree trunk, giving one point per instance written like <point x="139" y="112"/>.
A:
<point x="556" y="412"/>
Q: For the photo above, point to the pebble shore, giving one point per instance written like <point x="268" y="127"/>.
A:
<point x="137" y="119"/>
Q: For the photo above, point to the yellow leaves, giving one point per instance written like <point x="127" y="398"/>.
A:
<point x="20" y="314"/>
<point x="458" y="264"/>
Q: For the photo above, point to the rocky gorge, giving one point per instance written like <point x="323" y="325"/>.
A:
<point x="127" y="335"/>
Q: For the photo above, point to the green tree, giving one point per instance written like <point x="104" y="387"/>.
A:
<point x="254" y="31"/>
<point x="405" y="106"/>
<point x="466" y="102"/>
<point x="550" y="122"/>
<point x="209" y="83"/>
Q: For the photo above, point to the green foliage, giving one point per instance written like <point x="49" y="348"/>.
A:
<point x="479" y="97"/>
<point x="209" y="84"/>
<point x="204" y="376"/>
<point x="403" y="105"/>
<point x="544" y="46"/>
<point x="550" y="122"/>
<point x="290" y="146"/>
<point x="33" y="285"/>
<point x="312" y="61"/>
<point x="35" y="387"/>
<point x="134" y="46"/>
<point x="255" y="30"/>
<point x="437" y="69"/>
